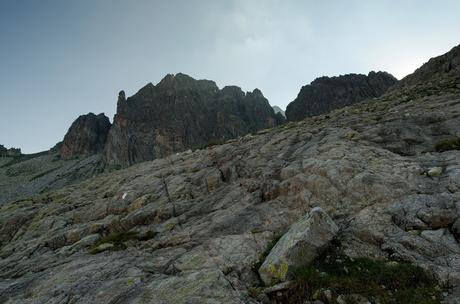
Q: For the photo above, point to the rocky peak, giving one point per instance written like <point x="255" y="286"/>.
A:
<point x="121" y="96"/>
<point x="325" y="94"/>
<point x="181" y="112"/>
<point x="87" y="135"/>
<point x="279" y="110"/>
<point x="181" y="82"/>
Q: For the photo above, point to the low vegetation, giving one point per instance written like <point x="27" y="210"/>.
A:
<point x="116" y="241"/>
<point x="385" y="282"/>
<point x="448" y="144"/>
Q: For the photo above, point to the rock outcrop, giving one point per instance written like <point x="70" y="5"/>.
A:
<point x="180" y="113"/>
<point x="86" y="136"/>
<point x="304" y="241"/>
<point x="11" y="152"/>
<point x="325" y="94"/>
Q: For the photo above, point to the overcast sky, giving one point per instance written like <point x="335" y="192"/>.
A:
<point x="63" y="58"/>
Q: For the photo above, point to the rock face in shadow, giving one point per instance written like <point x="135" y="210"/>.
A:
<point x="86" y="136"/>
<point x="180" y="113"/>
<point x="325" y="94"/>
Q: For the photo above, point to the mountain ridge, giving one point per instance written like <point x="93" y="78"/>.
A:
<point x="325" y="94"/>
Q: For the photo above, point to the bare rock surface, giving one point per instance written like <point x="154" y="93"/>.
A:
<point x="27" y="175"/>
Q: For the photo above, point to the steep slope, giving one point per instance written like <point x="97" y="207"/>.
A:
<point x="188" y="228"/>
<point x="325" y="94"/>
<point x="435" y="68"/>
<point x="180" y="113"/>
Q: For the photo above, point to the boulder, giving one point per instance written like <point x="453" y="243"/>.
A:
<point x="304" y="241"/>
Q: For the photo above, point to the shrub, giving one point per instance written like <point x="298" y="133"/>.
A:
<point x="368" y="277"/>
<point x="387" y="281"/>
<point x="448" y="144"/>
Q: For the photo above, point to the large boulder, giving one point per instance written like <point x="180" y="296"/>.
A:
<point x="304" y="241"/>
<point x="86" y="136"/>
<point x="326" y="94"/>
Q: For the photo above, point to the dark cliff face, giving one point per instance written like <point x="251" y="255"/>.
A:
<point x="87" y="135"/>
<point x="181" y="113"/>
<point x="325" y="94"/>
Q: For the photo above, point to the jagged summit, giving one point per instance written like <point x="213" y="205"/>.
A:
<point x="325" y="94"/>
<point x="182" y="81"/>
<point x="181" y="112"/>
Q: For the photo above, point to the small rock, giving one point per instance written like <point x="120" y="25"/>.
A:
<point x="435" y="171"/>
<point x="103" y="247"/>
<point x="352" y="298"/>
<point x="279" y="287"/>
<point x="328" y="295"/>
<point x="392" y="264"/>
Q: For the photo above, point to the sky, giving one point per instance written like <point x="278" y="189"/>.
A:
<point x="62" y="58"/>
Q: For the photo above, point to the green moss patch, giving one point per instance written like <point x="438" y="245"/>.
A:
<point x="448" y="144"/>
<point x="116" y="241"/>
